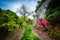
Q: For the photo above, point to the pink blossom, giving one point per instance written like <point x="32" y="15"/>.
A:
<point x="43" y="22"/>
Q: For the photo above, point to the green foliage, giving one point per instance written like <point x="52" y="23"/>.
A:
<point x="55" y="35"/>
<point x="8" y="19"/>
<point x="20" y="21"/>
<point x="53" y="15"/>
<point x="55" y="32"/>
<point x="29" y="21"/>
<point x="53" y="4"/>
<point x="53" y="11"/>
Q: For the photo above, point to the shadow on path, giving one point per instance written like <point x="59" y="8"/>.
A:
<point x="42" y="35"/>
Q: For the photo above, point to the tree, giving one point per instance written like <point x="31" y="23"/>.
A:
<point x="8" y="19"/>
<point x="53" y="15"/>
<point x="40" y="3"/>
<point x="53" y="11"/>
<point x="24" y="11"/>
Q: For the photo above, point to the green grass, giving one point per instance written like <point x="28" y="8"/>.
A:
<point x="28" y="34"/>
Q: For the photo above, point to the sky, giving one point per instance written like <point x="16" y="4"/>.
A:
<point x="14" y="4"/>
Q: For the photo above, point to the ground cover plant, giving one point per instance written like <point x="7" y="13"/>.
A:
<point x="28" y="34"/>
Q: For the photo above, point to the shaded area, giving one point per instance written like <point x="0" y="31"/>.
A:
<point x="3" y="33"/>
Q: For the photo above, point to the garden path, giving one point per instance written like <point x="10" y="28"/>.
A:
<point x="42" y="35"/>
<point x="19" y="34"/>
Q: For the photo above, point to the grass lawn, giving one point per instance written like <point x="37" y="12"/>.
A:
<point x="28" y="34"/>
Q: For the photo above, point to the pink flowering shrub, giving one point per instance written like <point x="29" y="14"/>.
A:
<point x="39" y="21"/>
<point x="43" y="22"/>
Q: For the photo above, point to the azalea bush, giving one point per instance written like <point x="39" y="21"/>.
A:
<point x="45" y="23"/>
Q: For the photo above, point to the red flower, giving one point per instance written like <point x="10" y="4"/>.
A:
<point x="43" y="22"/>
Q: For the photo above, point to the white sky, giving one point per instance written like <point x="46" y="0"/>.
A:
<point x="30" y="4"/>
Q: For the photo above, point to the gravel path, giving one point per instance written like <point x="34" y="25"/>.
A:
<point x="15" y="35"/>
<point x="19" y="34"/>
<point x="42" y="35"/>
